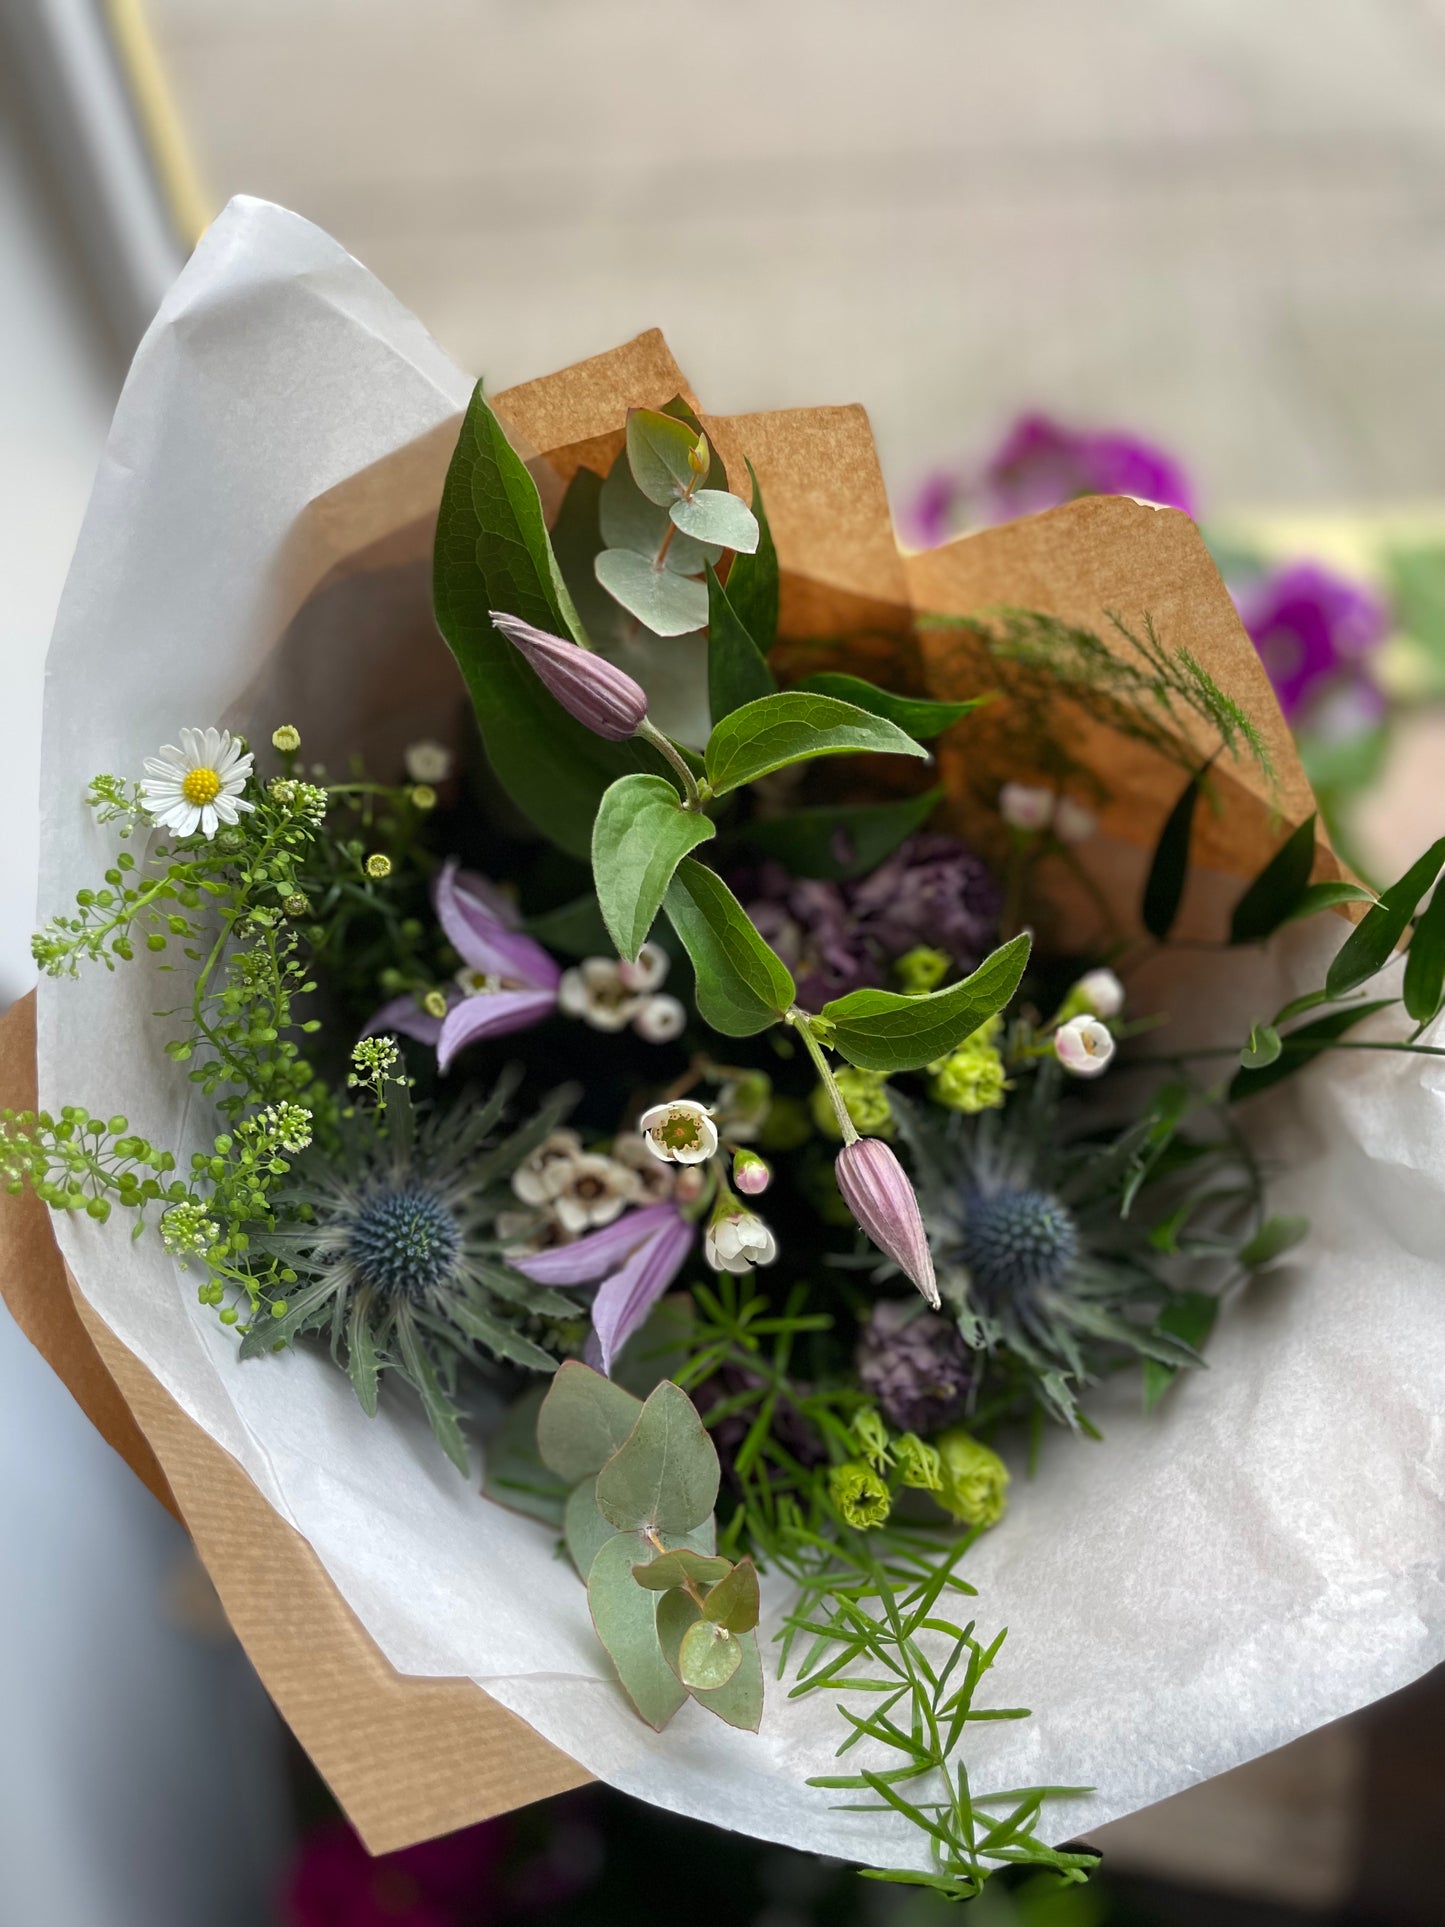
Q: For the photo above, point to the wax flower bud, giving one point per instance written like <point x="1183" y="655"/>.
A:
<point x="751" y="1174"/>
<point x="587" y="685"/>
<point x="1098" y="993"/>
<point x="1084" y="1046"/>
<point x="975" y="1480"/>
<point x="876" y="1190"/>
<point x="1024" y="806"/>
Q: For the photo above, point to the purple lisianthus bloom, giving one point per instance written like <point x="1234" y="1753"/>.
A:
<point x="632" y="1261"/>
<point x="1314" y="629"/>
<point x="507" y="980"/>
<point x="837" y="937"/>
<point x="1039" y="464"/>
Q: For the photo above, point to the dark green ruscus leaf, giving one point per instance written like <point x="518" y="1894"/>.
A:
<point x="1275" y="894"/>
<point x="1369" y="946"/>
<point x="736" y="671"/>
<point x="1164" y="886"/>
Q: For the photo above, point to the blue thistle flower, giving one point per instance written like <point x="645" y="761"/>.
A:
<point x="391" y="1238"/>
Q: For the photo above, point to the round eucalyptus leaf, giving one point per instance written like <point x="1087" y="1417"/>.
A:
<point x="667" y="604"/>
<point x="708" y="1656"/>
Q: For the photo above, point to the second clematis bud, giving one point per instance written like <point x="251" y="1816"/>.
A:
<point x="587" y="685"/>
<point x="876" y="1190"/>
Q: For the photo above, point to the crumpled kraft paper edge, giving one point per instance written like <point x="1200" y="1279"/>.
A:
<point x="407" y="1758"/>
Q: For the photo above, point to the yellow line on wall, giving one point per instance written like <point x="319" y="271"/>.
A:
<point x="189" y="205"/>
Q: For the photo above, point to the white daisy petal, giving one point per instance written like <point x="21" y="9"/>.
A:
<point x="212" y="741"/>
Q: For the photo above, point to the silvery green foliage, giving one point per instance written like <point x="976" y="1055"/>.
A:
<point x="641" y="1479"/>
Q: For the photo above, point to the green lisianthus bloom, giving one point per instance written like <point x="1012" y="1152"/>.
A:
<point x="975" y="1479"/>
<point x="865" y="1095"/>
<point x="971" y="1079"/>
<point x="860" y="1495"/>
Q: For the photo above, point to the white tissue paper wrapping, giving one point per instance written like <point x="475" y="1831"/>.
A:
<point x="1261" y="1556"/>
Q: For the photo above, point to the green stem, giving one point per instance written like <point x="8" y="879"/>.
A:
<point x="802" y="1023"/>
<point x="649" y="732"/>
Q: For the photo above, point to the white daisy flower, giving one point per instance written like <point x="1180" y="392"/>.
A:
<point x="198" y="786"/>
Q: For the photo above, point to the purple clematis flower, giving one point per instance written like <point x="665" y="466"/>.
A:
<point x="1038" y="465"/>
<point x="632" y="1261"/>
<point x="507" y="981"/>
<point x="1314" y="628"/>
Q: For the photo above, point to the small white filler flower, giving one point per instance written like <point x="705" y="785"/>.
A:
<point x="198" y="786"/>
<point x="1023" y="806"/>
<point x="1084" y="1046"/>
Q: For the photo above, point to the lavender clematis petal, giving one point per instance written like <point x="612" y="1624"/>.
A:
<point x="590" y="1259"/>
<point x="626" y="1298"/>
<point x="406" y="1015"/>
<point x="483" y="942"/>
<point x="493" y="1013"/>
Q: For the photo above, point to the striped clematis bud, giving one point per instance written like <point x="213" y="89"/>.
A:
<point x="876" y="1190"/>
<point x="587" y="685"/>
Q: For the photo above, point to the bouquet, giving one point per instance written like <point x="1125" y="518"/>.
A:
<point x="652" y="1144"/>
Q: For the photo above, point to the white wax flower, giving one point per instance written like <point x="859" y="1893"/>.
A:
<point x="594" y="990"/>
<point x="1100" y="992"/>
<point x="679" y="1132"/>
<point x="1023" y="806"/>
<point x="650" y="970"/>
<point x="1084" y="1046"/>
<point x="737" y="1240"/>
<point x="1072" y="822"/>
<point x="660" y="1020"/>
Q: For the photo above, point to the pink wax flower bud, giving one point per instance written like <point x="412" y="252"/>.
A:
<point x="876" y="1190"/>
<point x="751" y="1174"/>
<point x="587" y="685"/>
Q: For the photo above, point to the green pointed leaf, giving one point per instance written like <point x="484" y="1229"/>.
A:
<point x="1371" y="943"/>
<point x="844" y="842"/>
<point x="668" y="605"/>
<point x="629" y="521"/>
<point x="881" y="1030"/>
<point x="665" y="1477"/>
<point x="736" y="671"/>
<point x="791" y="727"/>
<point x="514" y="1288"/>
<point x="641" y="834"/>
<point x="584" y="1528"/>
<point x="669" y="1569"/>
<point x="499" y="1338"/>
<point x="492" y="552"/>
<point x="916" y="715"/>
<point x="1425" y="963"/>
<point x="1190" y="1317"/>
<point x="733" y="1601"/>
<point x="1164" y="886"/>
<point x="753" y="579"/>
<point x="660" y="452"/>
<point x="1274" y="1238"/>
<point x="741" y="985"/>
<point x="740" y="1702"/>
<point x="708" y="1655"/>
<point x="583" y="1420"/>
<point x="1301" y="1047"/>
<point x="421" y="1373"/>
<point x="362" y="1361"/>
<point x="1263" y="1047"/>
<point x="712" y="515"/>
<point x="625" y="1617"/>
<point x="1328" y="896"/>
<point x="513" y="1474"/>
<point x="1274" y="896"/>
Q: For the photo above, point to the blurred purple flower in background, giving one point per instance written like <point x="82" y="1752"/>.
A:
<point x="1315" y="632"/>
<point x="440" y="1883"/>
<point x="837" y="937"/>
<point x="1039" y="464"/>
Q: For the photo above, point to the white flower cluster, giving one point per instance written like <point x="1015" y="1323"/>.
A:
<point x="568" y="1190"/>
<point x="187" y="1231"/>
<point x="609" y="995"/>
<point x="1024" y="806"/>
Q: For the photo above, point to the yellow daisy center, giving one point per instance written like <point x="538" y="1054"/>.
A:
<point x="201" y="786"/>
